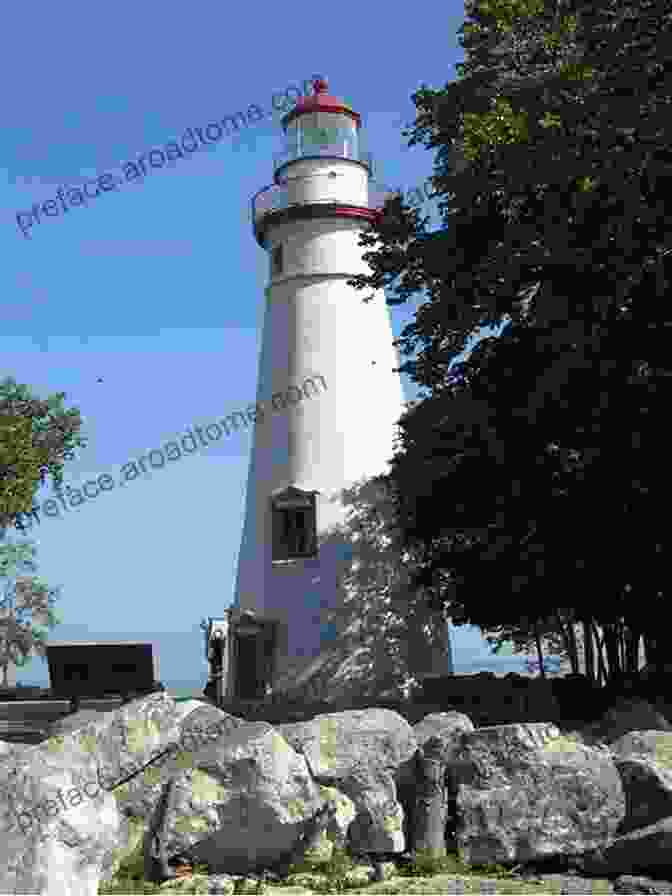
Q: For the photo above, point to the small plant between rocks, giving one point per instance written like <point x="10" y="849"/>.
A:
<point x="337" y="875"/>
<point x="340" y="874"/>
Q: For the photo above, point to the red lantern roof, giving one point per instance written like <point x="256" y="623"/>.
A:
<point x="320" y="101"/>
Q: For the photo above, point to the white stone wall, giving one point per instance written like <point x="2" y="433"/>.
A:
<point x="316" y="325"/>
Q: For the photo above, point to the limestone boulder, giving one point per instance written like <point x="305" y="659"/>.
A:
<point x="448" y="726"/>
<point x="183" y="708"/>
<point x="335" y="743"/>
<point x="122" y="741"/>
<point x="379" y="823"/>
<point x="61" y="826"/>
<point x="76" y="721"/>
<point x="525" y="792"/>
<point x="624" y="716"/>
<point x="630" y="884"/>
<point x="656" y="745"/>
<point x="199" y="726"/>
<point x="359" y="753"/>
<point x="647" y="850"/>
<point x="11" y="749"/>
<point x="240" y="803"/>
<point x="648" y="792"/>
<point x="58" y="827"/>
<point x="337" y="833"/>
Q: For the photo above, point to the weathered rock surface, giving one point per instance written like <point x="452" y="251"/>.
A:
<point x="525" y="792"/>
<point x="74" y="722"/>
<point x="625" y="716"/>
<point x="358" y="752"/>
<point x="241" y="802"/>
<point x="59" y="827"/>
<point x="629" y="883"/>
<point x="446" y="725"/>
<point x="646" y="850"/>
<point x="238" y="794"/>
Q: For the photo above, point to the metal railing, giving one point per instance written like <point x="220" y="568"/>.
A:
<point x="276" y="198"/>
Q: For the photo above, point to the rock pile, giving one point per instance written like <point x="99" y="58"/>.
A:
<point x="239" y="796"/>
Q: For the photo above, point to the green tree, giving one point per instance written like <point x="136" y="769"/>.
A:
<point x="26" y="607"/>
<point x="533" y="469"/>
<point x="20" y="465"/>
<point x="36" y="436"/>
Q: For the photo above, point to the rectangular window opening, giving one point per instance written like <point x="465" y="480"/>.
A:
<point x="294" y="532"/>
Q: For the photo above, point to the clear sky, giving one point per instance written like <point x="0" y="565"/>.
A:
<point x="156" y="288"/>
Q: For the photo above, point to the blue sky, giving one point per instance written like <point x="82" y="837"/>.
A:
<point x="157" y="288"/>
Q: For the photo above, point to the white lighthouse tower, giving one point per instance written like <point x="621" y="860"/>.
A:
<point x="328" y="397"/>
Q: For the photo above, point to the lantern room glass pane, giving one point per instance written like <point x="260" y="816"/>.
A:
<point x="322" y="134"/>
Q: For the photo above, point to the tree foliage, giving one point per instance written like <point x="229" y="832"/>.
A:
<point x="36" y="436"/>
<point x="529" y="478"/>
<point x="20" y="464"/>
<point x="26" y="607"/>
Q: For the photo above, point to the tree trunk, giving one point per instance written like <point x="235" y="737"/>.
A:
<point x="621" y="647"/>
<point x="611" y="645"/>
<point x="601" y="668"/>
<point x="632" y="637"/>
<point x="652" y="648"/>
<point x="575" y="649"/>
<point x="540" y="654"/>
<point x="570" y="642"/>
<point x="431" y="802"/>
<point x="589" y="652"/>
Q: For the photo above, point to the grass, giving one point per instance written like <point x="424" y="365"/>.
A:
<point x="426" y="875"/>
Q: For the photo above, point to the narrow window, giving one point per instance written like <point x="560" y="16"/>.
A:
<point x="294" y="532"/>
<point x="277" y="260"/>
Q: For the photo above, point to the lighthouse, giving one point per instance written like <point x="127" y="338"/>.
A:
<point x="328" y="398"/>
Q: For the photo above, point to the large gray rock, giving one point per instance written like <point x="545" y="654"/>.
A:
<point x="379" y="823"/>
<point x="336" y="743"/>
<point x="60" y="827"/>
<point x="359" y="752"/>
<point x="525" y="792"/>
<point x="646" y="850"/>
<point x="241" y="802"/>
<point x="236" y="794"/>
<point x="648" y="789"/>
<point x="656" y="745"/>
<point x="200" y="726"/>
<point x="57" y="826"/>
<point x="627" y="714"/>
<point x="448" y="726"/>
<point x="75" y="721"/>
<point x="629" y="884"/>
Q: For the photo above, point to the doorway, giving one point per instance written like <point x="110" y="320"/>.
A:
<point x="248" y="678"/>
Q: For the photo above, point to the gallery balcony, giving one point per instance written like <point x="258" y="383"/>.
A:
<point x="316" y="196"/>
